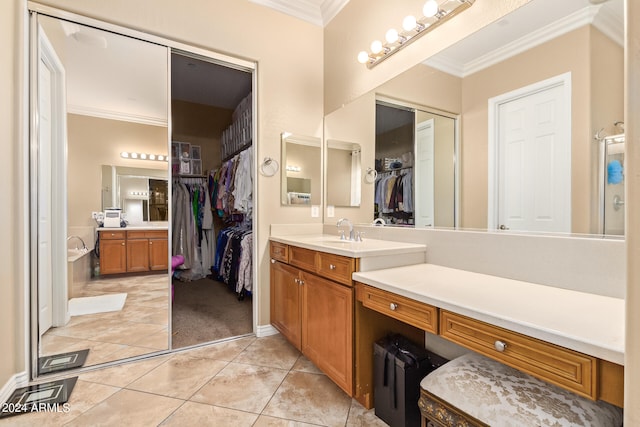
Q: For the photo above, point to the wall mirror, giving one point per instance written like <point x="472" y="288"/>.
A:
<point x="100" y="94"/>
<point x="344" y="173"/>
<point x="142" y="194"/>
<point x="301" y="170"/>
<point x="415" y="161"/>
<point x="531" y="46"/>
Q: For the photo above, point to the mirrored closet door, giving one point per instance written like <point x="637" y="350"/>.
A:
<point x="101" y="292"/>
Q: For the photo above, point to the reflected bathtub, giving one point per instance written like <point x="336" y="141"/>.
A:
<point x="78" y="270"/>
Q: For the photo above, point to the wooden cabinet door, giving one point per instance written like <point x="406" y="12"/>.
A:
<point x="327" y="328"/>
<point x="137" y="255"/>
<point x="113" y="256"/>
<point x="158" y="254"/>
<point x="285" y="301"/>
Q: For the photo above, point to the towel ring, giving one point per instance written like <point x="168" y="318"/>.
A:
<point x="269" y="166"/>
<point x="370" y="176"/>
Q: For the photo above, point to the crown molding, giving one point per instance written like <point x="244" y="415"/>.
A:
<point x="116" y="115"/>
<point x="542" y="35"/>
<point x="317" y="12"/>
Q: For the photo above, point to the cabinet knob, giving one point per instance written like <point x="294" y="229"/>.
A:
<point x="122" y="243"/>
<point x="332" y="267"/>
<point x="393" y="306"/>
<point x="112" y="234"/>
<point x="273" y="261"/>
<point x="500" y="345"/>
<point x="151" y="243"/>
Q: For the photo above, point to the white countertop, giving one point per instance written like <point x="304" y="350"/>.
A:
<point x="135" y="227"/>
<point x="588" y="323"/>
<point x="333" y="244"/>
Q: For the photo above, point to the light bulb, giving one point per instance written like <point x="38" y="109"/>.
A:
<point x="376" y="47"/>
<point x="409" y="23"/>
<point x="160" y="158"/>
<point x="134" y="155"/>
<point x="143" y="156"/>
<point x="391" y="36"/>
<point x="124" y="155"/>
<point x="152" y="156"/>
<point x="430" y="8"/>
<point x="363" y="57"/>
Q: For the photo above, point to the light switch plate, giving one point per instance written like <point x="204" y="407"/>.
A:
<point x="315" y="211"/>
<point x="331" y="211"/>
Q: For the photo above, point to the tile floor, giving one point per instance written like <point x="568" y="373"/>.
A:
<point x="246" y="382"/>
<point x="139" y="328"/>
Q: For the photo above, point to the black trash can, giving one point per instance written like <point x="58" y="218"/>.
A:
<point x="399" y="366"/>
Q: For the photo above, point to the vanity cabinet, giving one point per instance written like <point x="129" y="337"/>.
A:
<point x="312" y="306"/>
<point x="133" y="251"/>
<point x="113" y="252"/>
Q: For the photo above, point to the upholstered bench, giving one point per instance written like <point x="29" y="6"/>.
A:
<point x="473" y="390"/>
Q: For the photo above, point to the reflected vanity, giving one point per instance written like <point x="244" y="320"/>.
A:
<point x="301" y="170"/>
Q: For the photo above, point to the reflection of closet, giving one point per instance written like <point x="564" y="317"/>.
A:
<point x="393" y="200"/>
<point x="211" y="200"/>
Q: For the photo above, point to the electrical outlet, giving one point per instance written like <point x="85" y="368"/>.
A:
<point x="331" y="211"/>
<point x="315" y="211"/>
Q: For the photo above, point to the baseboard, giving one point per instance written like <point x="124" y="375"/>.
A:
<point x="266" y="330"/>
<point x="20" y="379"/>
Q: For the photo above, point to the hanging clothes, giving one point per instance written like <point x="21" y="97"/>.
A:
<point x="192" y="228"/>
<point x="233" y="261"/>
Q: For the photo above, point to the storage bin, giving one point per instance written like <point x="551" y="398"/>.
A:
<point x="399" y="366"/>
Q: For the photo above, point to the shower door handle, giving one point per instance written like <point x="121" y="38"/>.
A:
<point x="617" y="202"/>
<point x="503" y="227"/>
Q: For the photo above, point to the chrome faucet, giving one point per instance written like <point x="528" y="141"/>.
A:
<point x="343" y="221"/>
<point x="84" y="246"/>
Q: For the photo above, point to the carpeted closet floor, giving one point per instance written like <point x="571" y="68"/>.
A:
<point x="206" y="310"/>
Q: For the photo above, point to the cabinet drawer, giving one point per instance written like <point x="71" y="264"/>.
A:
<point x="279" y="251"/>
<point x="420" y="315"/>
<point x="560" y="366"/>
<point x="335" y="267"/>
<point x="303" y="258"/>
<point x="116" y="234"/>
<point x="146" y="234"/>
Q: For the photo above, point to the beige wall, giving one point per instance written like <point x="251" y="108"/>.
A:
<point x="93" y="142"/>
<point x="632" y="131"/>
<point x="12" y="209"/>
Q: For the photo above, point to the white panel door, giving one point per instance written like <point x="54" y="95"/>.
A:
<point x="51" y="189"/>
<point x="534" y="162"/>
<point x="45" y="273"/>
<point x="424" y="173"/>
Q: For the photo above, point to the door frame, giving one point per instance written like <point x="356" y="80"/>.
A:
<point x="31" y="38"/>
<point x="43" y="51"/>
<point x="494" y="104"/>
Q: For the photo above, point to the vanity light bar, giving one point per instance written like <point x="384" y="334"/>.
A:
<point x="144" y="156"/>
<point x="436" y="12"/>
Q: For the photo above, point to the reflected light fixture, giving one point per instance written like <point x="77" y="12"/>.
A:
<point x="144" y="156"/>
<point x="435" y="13"/>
